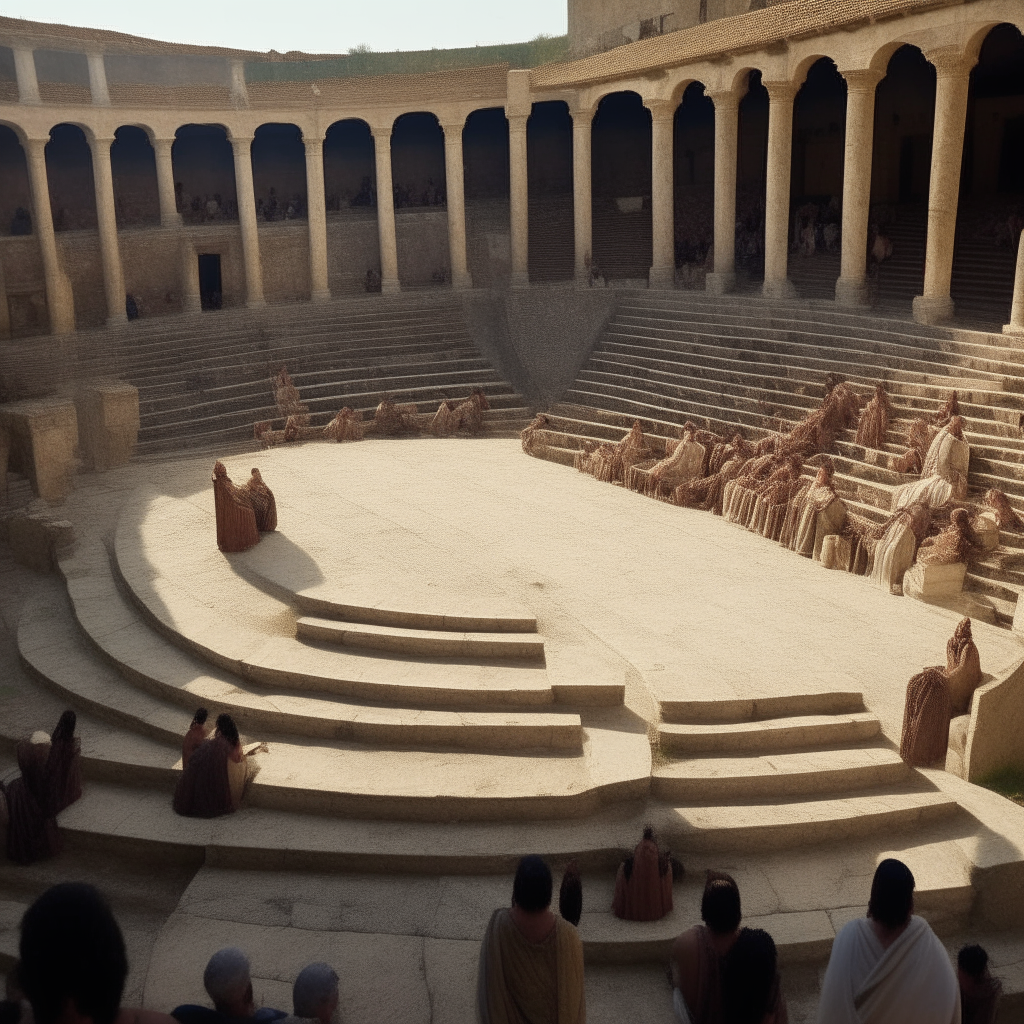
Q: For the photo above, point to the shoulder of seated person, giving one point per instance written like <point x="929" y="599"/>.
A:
<point x="133" y="1015"/>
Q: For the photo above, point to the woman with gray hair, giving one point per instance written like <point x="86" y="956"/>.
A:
<point x="315" y="993"/>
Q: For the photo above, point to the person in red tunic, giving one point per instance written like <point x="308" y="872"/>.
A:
<point x="643" y="886"/>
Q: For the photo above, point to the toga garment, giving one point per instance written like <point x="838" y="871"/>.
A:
<point x="206" y="788"/>
<point x="698" y="1000"/>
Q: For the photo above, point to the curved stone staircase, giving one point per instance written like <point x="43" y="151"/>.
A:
<point x="744" y="364"/>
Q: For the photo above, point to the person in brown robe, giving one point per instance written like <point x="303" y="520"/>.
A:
<point x="643" y="885"/>
<point x="979" y="991"/>
<point x="31" y="830"/>
<point x="195" y="737"/>
<point x="530" y="438"/>
<point x="531" y="961"/>
<point x="926" y="717"/>
<point x="63" y="769"/>
<point x="570" y="894"/>
<point x="963" y="667"/>
<point x="1006" y="516"/>
<point x="346" y="426"/>
<point x="954" y="544"/>
<point x="697" y="954"/>
<point x="873" y="424"/>
<point x="236" y="520"/>
<point x="751" y="990"/>
<point x="208" y="786"/>
<point x="261" y="501"/>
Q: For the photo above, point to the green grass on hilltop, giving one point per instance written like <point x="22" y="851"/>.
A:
<point x="542" y="50"/>
<point x="1008" y="782"/>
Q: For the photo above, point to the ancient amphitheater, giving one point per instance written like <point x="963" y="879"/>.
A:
<point x="458" y="654"/>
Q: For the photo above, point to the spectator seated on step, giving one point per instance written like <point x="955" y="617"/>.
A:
<point x="64" y="765"/>
<point x="643" y="885"/>
<point x="197" y="735"/>
<point x="814" y="512"/>
<point x="889" y="966"/>
<point x="228" y="982"/>
<point x="531" y="962"/>
<point x="751" y="992"/>
<point x="73" y="964"/>
<point x="979" y="991"/>
<point x="698" y="954"/>
<point x="315" y="994"/>
<point x="214" y="781"/>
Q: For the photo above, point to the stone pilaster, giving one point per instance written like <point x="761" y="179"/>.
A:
<point x="727" y="118"/>
<point x="239" y="90"/>
<point x="776" y="201"/>
<point x="953" y="77"/>
<point x="582" y="207"/>
<point x="851" y="288"/>
<point x="316" y="206"/>
<point x="25" y="71"/>
<point x="1016" y="324"/>
<point x="386" y="210"/>
<point x="59" y="298"/>
<point x="455" y="190"/>
<point x="242" y="147"/>
<point x="191" y="296"/>
<point x="106" y="222"/>
<point x="663" y="257"/>
<point x="169" y="216"/>
<point x="98" y="80"/>
<point x="519" y="200"/>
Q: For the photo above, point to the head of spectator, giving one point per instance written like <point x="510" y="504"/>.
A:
<point x="971" y="968"/>
<point x="315" y="993"/>
<point x="73" y="963"/>
<point x="892" y="896"/>
<point x="749" y="978"/>
<point x="199" y="718"/>
<point x="228" y="983"/>
<point x="720" y="905"/>
<point x="531" y="889"/>
<point x="227" y="728"/>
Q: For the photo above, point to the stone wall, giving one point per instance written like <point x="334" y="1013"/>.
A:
<point x="993" y="737"/>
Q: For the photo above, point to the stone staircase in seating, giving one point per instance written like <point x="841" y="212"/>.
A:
<point x="741" y="364"/>
<point x="204" y="380"/>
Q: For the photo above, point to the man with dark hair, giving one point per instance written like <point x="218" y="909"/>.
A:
<point x="73" y="964"/>
<point x="889" y="968"/>
<point x="979" y="991"/>
<point x="531" y="962"/>
<point x="697" y="954"/>
<point x="751" y="991"/>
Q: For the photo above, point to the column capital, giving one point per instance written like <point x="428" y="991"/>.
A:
<point x="240" y="141"/>
<point x="99" y="142"/>
<point x="161" y="142"/>
<point x="582" y="113"/>
<point x="780" y="91"/>
<point x="35" y="143"/>
<point x="312" y="139"/>
<point x="661" y="110"/>
<point x="516" y="122"/>
<point x="724" y="99"/>
<point x="450" y="125"/>
<point x="950" y="62"/>
<point x="862" y="79"/>
<point x="381" y="129"/>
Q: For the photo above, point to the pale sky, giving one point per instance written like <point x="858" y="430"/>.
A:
<point x="315" y="26"/>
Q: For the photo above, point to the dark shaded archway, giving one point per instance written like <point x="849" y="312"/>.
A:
<point x="279" y="172"/>
<point x="204" y="174"/>
<point x="69" y="174"/>
<point x="751" y="180"/>
<point x="15" y="190"/>
<point x="694" y="184"/>
<point x="549" y="176"/>
<point x="133" y="167"/>
<point x="485" y="160"/>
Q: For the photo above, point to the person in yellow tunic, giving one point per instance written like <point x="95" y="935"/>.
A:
<point x="531" y="962"/>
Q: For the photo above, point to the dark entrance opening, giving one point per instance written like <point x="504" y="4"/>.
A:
<point x="209" y="281"/>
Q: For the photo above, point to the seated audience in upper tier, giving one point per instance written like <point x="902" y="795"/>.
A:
<point x="979" y="991"/>
<point x="228" y="983"/>
<point x="750" y="981"/>
<point x="73" y="964"/>
<point x="197" y="734"/>
<point x="643" y="885"/>
<point x="531" y="962"/>
<point x="889" y="968"/>
<point x="315" y="993"/>
<point x="213" y="782"/>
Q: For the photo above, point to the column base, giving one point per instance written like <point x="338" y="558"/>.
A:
<point x="720" y="284"/>
<point x="661" y="277"/>
<point x="324" y="296"/>
<point x="778" y="289"/>
<point x="255" y="303"/>
<point x="929" y="310"/>
<point x="1017" y="330"/>
<point x="117" y="320"/>
<point x="192" y="304"/>
<point x="520" y="279"/>
<point x="462" y="282"/>
<point x="390" y="286"/>
<point x="173" y="221"/>
<point x="852" y="293"/>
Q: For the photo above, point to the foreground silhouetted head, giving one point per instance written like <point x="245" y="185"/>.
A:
<point x="65" y="728"/>
<point x="570" y="895"/>
<point x="972" y="961"/>
<point x="199" y="718"/>
<point x="227" y="728"/>
<point x="315" y="992"/>
<point x="228" y="982"/>
<point x="892" y="894"/>
<point x="720" y="905"/>
<point x="531" y="889"/>
<point x="748" y="978"/>
<point x="72" y="955"/>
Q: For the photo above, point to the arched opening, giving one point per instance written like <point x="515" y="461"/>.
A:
<point x="485" y="162"/>
<point x="204" y="174"/>
<point x="751" y="181"/>
<point x="549" y="176"/>
<point x="900" y="174"/>
<point x="621" y="186"/>
<point x="694" y="185"/>
<point x="990" y="215"/>
<point x="279" y="173"/>
<point x="15" y="190"/>
<point x="69" y="173"/>
<point x="421" y="216"/>
<point x="133" y="168"/>
<point x="816" y="181"/>
<point x="21" y="261"/>
<point x="350" y="180"/>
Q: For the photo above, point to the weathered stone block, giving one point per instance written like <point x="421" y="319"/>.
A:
<point x="108" y="422"/>
<point x="44" y="437"/>
<point x="37" y="540"/>
<point x="986" y="528"/>
<point x="928" y="582"/>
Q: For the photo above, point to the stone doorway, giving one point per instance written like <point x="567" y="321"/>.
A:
<point x="210" y="292"/>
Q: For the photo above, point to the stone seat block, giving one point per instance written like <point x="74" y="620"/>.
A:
<point x="44" y="440"/>
<point x="108" y="422"/>
<point x="773" y="734"/>
<point x="37" y="540"/>
<point x="928" y="582"/>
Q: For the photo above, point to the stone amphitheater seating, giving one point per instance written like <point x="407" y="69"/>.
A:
<point x="742" y="364"/>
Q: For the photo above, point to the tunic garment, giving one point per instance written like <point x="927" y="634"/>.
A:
<point x="646" y="895"/>
<point x="204" y="789"/>
<point x="894" y="555"/>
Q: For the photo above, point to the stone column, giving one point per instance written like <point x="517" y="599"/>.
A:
<point x="98" y="80"/>
<point x="386" y="210"/>
<point x="776" y="201"/>
<point x="106" y="222"/>
<point x="851" y="288"/>
<point x="953" y="77"/>
<point x="25" y="71"/>
<point x="59" y="298"/>
<point x="239" y="90"/>
<point x="316" y="206"/>
<point x="191" y="297"/>
<point x="455" y="190"/>
<point x="1016" y="324"/>
<point x="582" y="204"/>
<point x="242" y="146"/>
<point x="727" y="114"/>
<point x="663" y="261"/>
<point x="519" y="200"/>
<point x="169" y="216"/>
